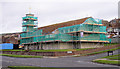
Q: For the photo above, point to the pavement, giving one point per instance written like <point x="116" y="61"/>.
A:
<point x="83" y="61"/>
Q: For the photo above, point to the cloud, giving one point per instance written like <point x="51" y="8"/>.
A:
<point x="52" y="11"/>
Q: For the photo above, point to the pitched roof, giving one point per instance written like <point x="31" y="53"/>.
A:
<point x="48" y="29"/>
<point x="115" y="23"/>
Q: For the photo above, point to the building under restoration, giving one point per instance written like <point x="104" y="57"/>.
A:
<point x="82" y="33"/>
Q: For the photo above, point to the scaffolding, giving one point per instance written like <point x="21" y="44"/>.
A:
<point x="65" y="38"/>
<point x="29" y="23"/>
<point x="90" y="25"/>
<point x="31" y="34"/>
<point x="83" y="27"/>
<point x="94" y="27"/>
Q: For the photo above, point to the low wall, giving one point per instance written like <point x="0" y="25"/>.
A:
<point x="115" y="40"/>
<point x="62" y="45"/>
<point x="60" y="53"/>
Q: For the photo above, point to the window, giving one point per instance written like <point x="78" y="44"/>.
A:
<point x="71" y="29"/>
<point x="114" y="21"/>
<point x="119" y="21"/>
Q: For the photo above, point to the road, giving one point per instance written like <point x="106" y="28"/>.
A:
<point x="83" y="61"/>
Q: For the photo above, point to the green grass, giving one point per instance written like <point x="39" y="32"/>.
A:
<point x="110" y="60"/>
<point x="56" y="50"/>
<point x="103" y="51"/>
<point x="30" y="67"/>
<point x="21" y="56"/>
<point x="113" y="57"/>
<point x="107" y="62"/>
<point x="12" y="50"/>
<point x="60" y="50"/>
<point x="109" y="44"/>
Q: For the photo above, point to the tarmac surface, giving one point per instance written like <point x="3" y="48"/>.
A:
<point x="83" y="61"/>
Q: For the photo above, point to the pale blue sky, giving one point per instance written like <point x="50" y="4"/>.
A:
<point x="53" y="11"/>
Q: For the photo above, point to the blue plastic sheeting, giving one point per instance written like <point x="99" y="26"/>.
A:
<point x="6" y="46"/>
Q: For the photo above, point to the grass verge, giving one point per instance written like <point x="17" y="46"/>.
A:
<point x="103" y="51"/>
<point x="21" y="56"/>
<point x="108" y="62"/>
<point x="109" y="44"/>
<point x="60" y="50"/>
<point x="56" y="50"/>
<point x="93" y="53"/>
<point x="113" y="57"/>
<point x="30" y="67"/>
<point x="12" y="50"/>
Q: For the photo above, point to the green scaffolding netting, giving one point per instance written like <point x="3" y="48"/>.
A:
<point x="53" y="37"/>
<point x="84" y="27"/>
<point x="34" y="33"/>
<point x="100" y="37"/>
<point x="27" y="40"/>
<point x="93" y="21"/>
<point x="36" y="36"/>
<point x="66" y="37"/>
<point x="30" y="23"/>
<point x="29" y="17"/>
<point x="31" y="29"/>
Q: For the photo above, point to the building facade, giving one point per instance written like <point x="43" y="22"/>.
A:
<point x="82" y="33"/>
<point x="114" y="30"/>
<point x="13" y="38"/>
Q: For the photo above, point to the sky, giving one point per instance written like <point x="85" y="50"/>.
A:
<point x="53" y="11"/>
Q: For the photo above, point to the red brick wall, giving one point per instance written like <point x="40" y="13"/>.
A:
<point x="61" y="53"/>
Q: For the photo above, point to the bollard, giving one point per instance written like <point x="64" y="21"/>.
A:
<point x="110" y="52"/>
